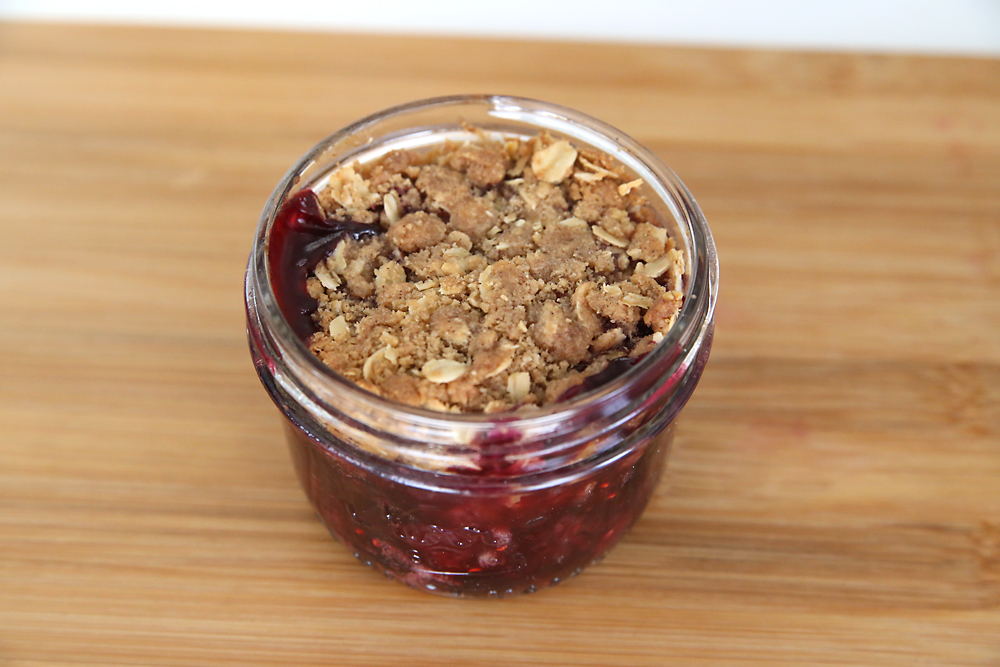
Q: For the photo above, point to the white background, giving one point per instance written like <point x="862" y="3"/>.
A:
<point x="916" y="26"/>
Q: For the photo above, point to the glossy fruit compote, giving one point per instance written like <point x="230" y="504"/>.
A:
<point x="476" y="535"/>
<point x="459" y="499"/>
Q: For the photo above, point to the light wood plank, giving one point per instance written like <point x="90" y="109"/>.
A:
<point x="834" y="494"/>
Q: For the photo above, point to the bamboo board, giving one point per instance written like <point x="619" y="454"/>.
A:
<point x="834" y="494"/>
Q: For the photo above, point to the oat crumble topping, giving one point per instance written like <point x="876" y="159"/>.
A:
<point x="508" y="272"/>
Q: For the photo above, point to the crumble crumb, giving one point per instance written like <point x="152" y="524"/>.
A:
<point x="508" y="272"/>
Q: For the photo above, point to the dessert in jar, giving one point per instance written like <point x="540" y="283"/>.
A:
<point x="480" y="317"/>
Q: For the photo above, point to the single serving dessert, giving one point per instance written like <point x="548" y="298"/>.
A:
<point x="480" y="329"/>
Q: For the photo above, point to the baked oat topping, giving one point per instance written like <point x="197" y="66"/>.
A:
<point x="506" y="272"/>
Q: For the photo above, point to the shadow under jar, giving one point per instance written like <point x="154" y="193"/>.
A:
<point x="473" y="504"/>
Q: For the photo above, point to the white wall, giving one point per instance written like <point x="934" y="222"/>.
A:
<point x="921" y="26"/>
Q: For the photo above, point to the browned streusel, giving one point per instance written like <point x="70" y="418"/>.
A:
<point x="509" y="271"/>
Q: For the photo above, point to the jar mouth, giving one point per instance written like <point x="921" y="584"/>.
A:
<point x="322" y="389"/>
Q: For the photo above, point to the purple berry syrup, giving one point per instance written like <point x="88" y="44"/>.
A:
<point x="303" y="235"/>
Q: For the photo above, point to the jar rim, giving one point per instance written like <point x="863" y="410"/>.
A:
<point x="316" y="382"/>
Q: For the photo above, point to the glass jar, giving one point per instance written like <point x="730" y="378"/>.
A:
<point x="481" y="504"/>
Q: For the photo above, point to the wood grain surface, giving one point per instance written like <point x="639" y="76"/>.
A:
<point x="834" y="494"/>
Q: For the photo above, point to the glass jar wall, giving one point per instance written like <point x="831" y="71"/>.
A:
<point x="479" y="504"/>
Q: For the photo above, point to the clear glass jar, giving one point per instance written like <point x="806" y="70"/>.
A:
<point x="481" y="504"/>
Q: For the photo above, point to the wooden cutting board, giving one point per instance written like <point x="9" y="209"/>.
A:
<point x="834" y="494"/>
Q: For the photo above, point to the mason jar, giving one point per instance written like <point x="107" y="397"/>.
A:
<point x="479" y="504"/>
